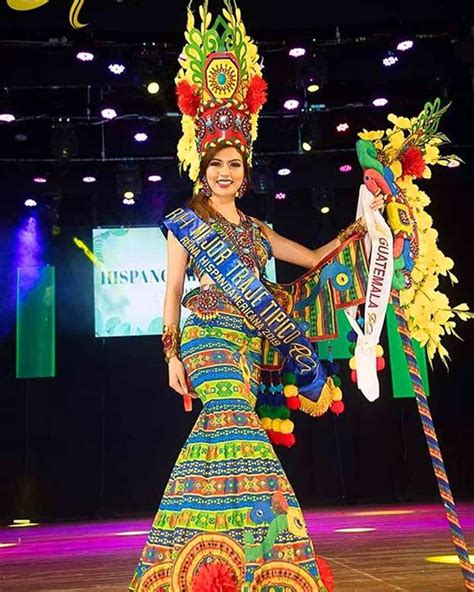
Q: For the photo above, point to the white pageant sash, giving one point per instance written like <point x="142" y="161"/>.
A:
<point x="379" y="246"/>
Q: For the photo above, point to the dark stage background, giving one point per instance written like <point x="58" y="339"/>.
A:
<point x="100" y="438"/>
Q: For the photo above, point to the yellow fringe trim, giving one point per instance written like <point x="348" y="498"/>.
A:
<point x="315" y="409"/>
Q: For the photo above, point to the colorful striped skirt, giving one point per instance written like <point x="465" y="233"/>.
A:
<point x="229" y="520"/>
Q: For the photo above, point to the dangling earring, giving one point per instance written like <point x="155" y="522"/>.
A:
<point x="205" y="187"/>
<point x="242" y="189"/>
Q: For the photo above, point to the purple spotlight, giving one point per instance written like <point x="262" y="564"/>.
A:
<point x="108" y="113"/>
<point x="280" y="195"/>
<point x="283" y="172"/>
<point x="89" y="179"/>
<point x="390" y="60"/>
<point x="291" y="104"/>
<point x="345" y="168"/>
<point x="116" y="69"/>
<point x="297" y="52"/>
<point x="405" y="45"/>
<point x="30" y="203"/>
<point x="85" y="56"/>
<point x="141" y="137"/>
<point x="7" y="117"/>
<point x="380" y="102"/>
<point x="40" y="180"/>
<point x="154" y="178"/>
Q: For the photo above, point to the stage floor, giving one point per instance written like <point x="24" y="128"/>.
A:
<point x="391" y="555"/>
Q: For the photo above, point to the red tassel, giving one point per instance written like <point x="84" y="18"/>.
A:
<point x="188" y="98"/>
<point x="325" y="573"/>
<point x="256" y="94"/>
<point x="412" y="161"/>
<point x="214" y="577"/>
<point x="293" y="403"/>
<point x="337" y="407"/>
<point x="287" y="440"/>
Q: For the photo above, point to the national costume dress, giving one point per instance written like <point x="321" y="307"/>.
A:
<point x="228" y="513"/>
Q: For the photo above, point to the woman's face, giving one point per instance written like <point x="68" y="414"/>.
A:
<point x="225" y="172"/>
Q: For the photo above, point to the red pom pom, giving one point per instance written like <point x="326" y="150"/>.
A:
<point x="293" y="403"/>
<point x="188" y="98"/>
<point x="256" y="94"/>
<point x="287" y="440"/>
<point x="214" y="577"/>
<point x="337" y="407"/>
<point x="380" y="363"/>
<point x="325" y="573"/>
<point x="412" y="162"/>
<point x="354" y="376"/>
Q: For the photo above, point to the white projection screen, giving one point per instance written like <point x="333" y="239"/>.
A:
<point x="130" y="281"/>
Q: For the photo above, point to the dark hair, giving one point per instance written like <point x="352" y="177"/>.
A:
<point x="199" y="201"/>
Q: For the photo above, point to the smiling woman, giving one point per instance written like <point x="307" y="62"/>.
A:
<point x="24" y="5"/>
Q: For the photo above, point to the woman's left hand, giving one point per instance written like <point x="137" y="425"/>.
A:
<point x="378" y="203"/>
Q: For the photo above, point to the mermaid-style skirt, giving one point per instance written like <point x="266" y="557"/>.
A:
<point x="229" y="520"/>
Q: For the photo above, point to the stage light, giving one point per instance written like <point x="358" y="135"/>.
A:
<point x="40" y="180"/>
<point x="128" y="182"/>
<point x="280" y="195"/>
<point x="128" y="201"/>
<point x="89" y="179"/>
<point x="153" y="87"/>
<point x="85" y="56"/>
<point x="140" y="137"/>
<point x="30" y="203"/>
<point x="313" y="87"/>
<point x="322" y="199"/>
<point x="345" y="168"/>
<point x="405" y="45"/>
<point x="20" y="137"/>
<point x="22" y="524"/>
<point x="297" y="52"/>
<point x="453" y="164"/>
<point x="314" y="73"/>
<point x="3" y="545"/>
<point x="380" y="102"/>
<point x="342" y="127"/>
<point x="310" y="133"/>
<point x="306" y="146"/>
<point x="448" y="559"/>
<point x="7" y="117"/>
<point x="116" y="68"/>
<point x="154" y="178"/>
<point x="390" y="60"/>
<point x="64" y="141"/>
<point x="291" y="104"/>
<point x="131" y="533"/>
<point x="353" y="530"/>
<point x="382" y="513"/>
<point x="283" y="172"/>
<point x="108" y="113"/>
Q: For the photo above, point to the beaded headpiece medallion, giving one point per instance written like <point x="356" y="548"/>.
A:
<point x="219" y="87"/>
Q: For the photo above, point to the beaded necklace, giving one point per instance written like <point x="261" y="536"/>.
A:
<point x="241" y="236"/>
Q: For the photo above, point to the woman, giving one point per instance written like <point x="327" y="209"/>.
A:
<point x="229" y="516"/>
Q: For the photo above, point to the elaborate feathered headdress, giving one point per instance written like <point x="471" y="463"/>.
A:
<point x="219" y="86"/>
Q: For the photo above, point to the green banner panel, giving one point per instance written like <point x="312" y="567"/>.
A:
<point x="35" y="322"/>
<point x="340" y="346"/>
<point x="401" y="382"/>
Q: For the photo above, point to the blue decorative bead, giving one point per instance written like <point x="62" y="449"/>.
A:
<point x="352" y="336"/>
<point x="221" y="78"/>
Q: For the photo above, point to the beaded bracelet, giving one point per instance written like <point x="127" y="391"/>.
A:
<point x="357" y="227"/>
<point x="170" y="340"/>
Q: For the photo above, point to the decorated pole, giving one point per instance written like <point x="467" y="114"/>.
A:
<point x="391" y="160"/>
<point x="433" y="446"/>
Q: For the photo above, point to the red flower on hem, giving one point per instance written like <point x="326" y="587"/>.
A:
<point x="325" y="573"/>
<point x="214" y="577"/>
<point x="412" y="162"/>
<point x="188" y="98"/>
<point x="256" y="94"/>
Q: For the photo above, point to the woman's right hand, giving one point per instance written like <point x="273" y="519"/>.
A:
<point x="178" y="379"/>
